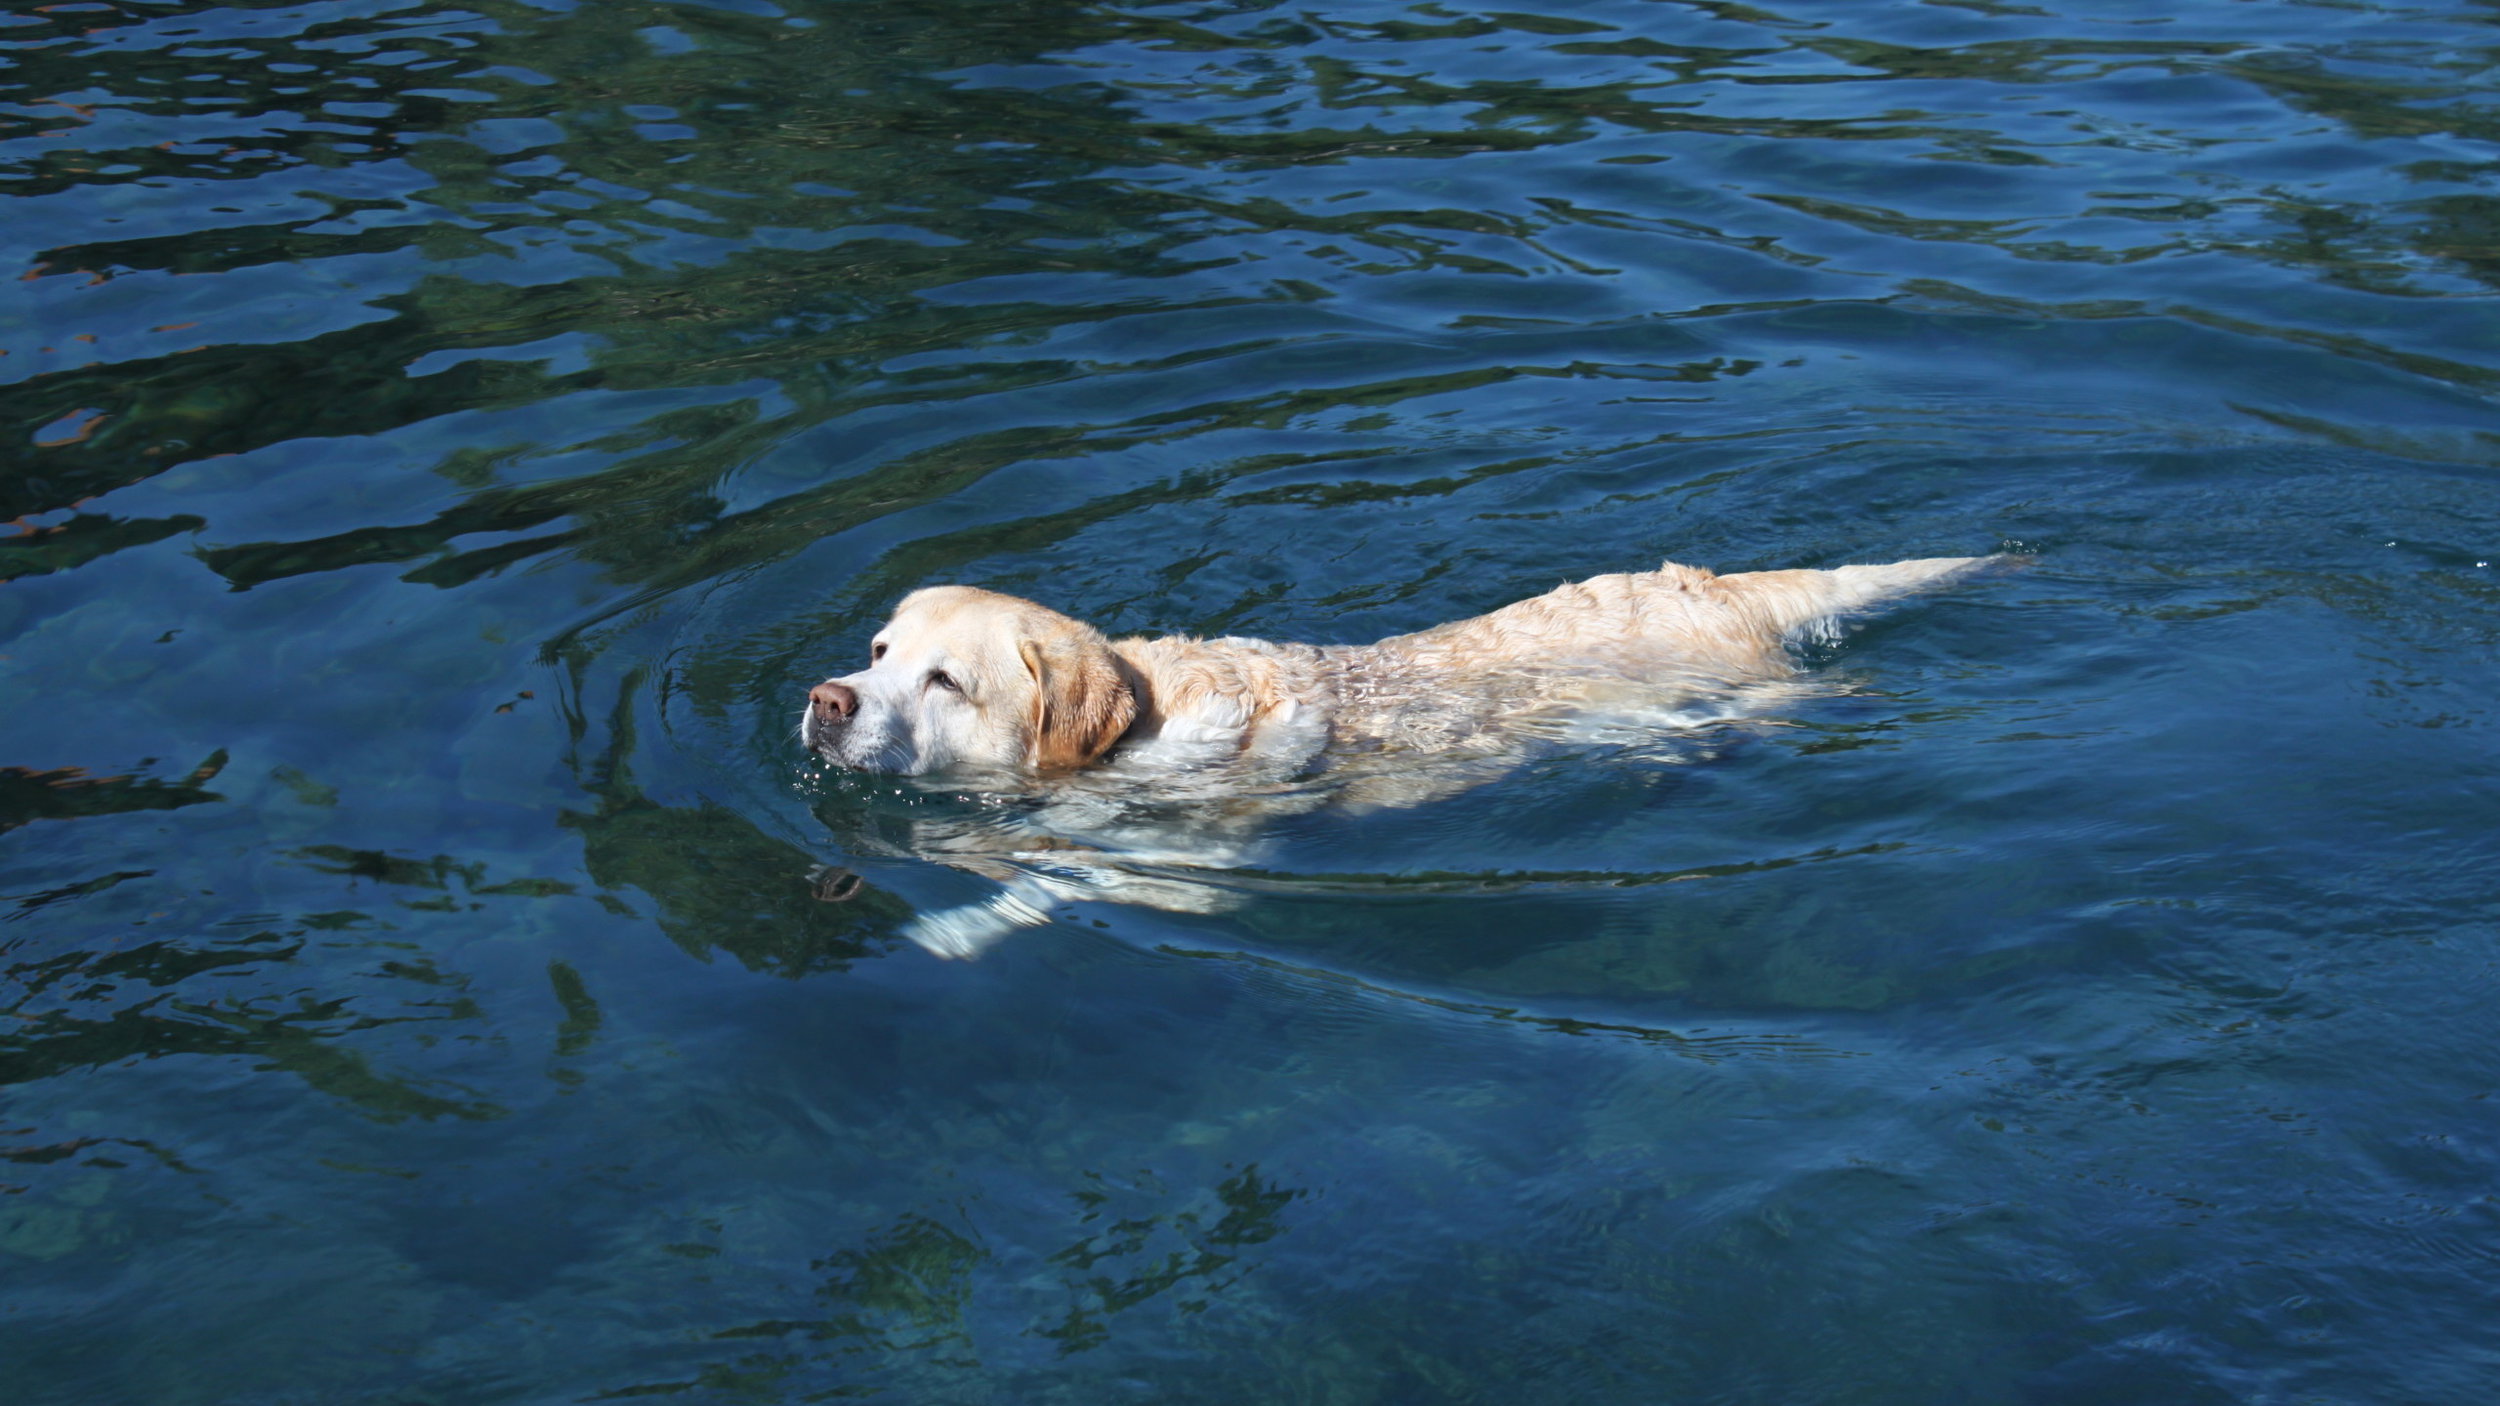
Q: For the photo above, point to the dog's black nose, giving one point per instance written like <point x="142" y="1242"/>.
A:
<point x="833" y="700"/>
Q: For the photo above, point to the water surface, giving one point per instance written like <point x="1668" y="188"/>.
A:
<point x="443" y="440"/>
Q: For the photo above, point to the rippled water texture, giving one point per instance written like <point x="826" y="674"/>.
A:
<point x="444" y="439"/>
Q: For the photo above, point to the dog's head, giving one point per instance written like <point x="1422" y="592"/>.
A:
<point x="961" y="675"/>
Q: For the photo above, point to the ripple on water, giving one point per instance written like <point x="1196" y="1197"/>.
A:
<point x="444" y="442"/>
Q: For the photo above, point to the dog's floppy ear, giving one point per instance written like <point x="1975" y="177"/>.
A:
<point x="1082" y="701"/>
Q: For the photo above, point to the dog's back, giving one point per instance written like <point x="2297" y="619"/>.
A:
<point x="1680" y="617"/>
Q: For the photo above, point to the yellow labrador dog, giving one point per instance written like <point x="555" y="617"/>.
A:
<point x="967" y="679"/>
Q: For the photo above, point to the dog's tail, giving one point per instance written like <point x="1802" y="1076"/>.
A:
<point x="1807" y="602"/>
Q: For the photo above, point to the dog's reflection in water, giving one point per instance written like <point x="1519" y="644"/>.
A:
<point x="1124" y="768"/>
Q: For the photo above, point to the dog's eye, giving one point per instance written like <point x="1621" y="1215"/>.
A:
<point x="876" y="651"/>
<point x="939" y="678"/>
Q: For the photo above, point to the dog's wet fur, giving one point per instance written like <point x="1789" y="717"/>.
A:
<point x="972" y="681"/>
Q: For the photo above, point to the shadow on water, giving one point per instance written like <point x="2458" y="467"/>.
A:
<point x="721" y="883"/>
<point x="66" y="793"/>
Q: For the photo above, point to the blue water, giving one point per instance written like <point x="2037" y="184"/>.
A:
<point x="444" y="441"/>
